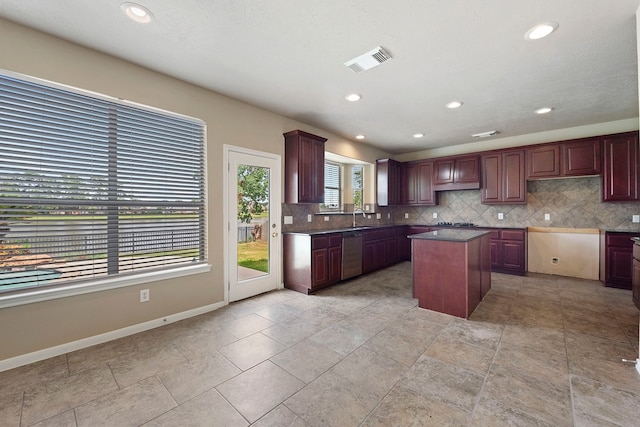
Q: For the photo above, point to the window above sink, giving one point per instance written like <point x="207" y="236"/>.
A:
<point x="348" y="185"/>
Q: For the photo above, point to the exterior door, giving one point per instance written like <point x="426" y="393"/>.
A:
<point x="253" y="240"/>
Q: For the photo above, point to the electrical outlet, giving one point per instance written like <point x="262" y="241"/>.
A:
<point x="500" y="215"/>
<point x="547" y="217"/>
<point x="368" y="216"/>
<point x="378" y="215"/>
<point x="366" y="208"/>
<point x="435" y="215"/>
<point x="288" y="219"/>
<point x="326" y="219"/>
<point x="555" y="261"/>
<point x="388" y="216"/>
<point x="406" y="215"/>
<point x="309" y="218"/>
<point x="635" y="218"/>
<point x="144" y="295"/>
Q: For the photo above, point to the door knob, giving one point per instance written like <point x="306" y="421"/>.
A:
<point x="274" y="234"/>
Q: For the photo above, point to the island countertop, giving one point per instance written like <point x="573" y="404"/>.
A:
<point x="451" y="235"/>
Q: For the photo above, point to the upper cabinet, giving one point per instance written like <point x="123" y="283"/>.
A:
<point x="503" y="178"/>
<point x="418" y="184"/>
<point x="456" y="173"/>
<point x="620" y="172"/>
<point x="304" y="167"/>
<point x="571" y="158"/>
<point x="389" y="176"/>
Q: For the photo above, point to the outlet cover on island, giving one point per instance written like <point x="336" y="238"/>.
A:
<point x="635" y="218"/>
<point x="309" y="218"/>
<point x="500" y="215"/>
<point x="288" y="219"/>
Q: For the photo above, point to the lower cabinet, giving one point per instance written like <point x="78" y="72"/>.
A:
<point x="311" y="262"/>
<point x="619" y="259"/>
<point x="374" y="250"/>
<point x="510" y="248"/>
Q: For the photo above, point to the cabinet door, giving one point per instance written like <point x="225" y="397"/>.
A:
<point x="512" y="254"/>
<point x="467" y="170"/>
<point x="620" y="168"/>
<point x="410" y="184"/>
<point x="491" y="178"/>
<point x="514" y="188"/>
<point x="619" y="267"/>
<point x="496" y="260"/>
<point x="319" y="267"/>
<point x="334" y="255"/>
<point x="426" y="195"/>
<point x="368" y="256"/>
<point x="543" y="162"/>
<point x="389" y="182"/>
<point x="380" y="251"/>
<point x="581" y="158"/>
<point x="443" y="171"/>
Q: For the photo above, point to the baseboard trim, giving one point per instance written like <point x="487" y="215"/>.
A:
<point x="46" y="353"/>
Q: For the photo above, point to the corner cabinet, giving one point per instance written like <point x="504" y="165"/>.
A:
<point x="304" y="167"/>
<point x="503" y="178"/>
<point x="620" y="172"/>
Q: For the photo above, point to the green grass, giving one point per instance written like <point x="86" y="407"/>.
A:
<point x="254" y="255"/>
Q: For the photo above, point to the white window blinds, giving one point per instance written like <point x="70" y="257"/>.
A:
<point x="331" y="186"/>
<point x="92" y="187"/>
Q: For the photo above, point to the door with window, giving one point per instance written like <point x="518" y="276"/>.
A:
<point x="253" y="212"/>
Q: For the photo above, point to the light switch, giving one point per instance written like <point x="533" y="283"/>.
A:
<point x="288" y="219"/>
<point x="388" y="216"/>
<point x="309" y="218"/>
<point x="406" y="215"/>
<point x="378" y="215"/>
<point x="547" y="217"/>
<point x="635" y="218"/>
<point x="435" y="215"/>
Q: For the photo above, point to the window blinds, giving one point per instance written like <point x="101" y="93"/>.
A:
<point x="92" y="187"/>
<point x="331" y="185"/>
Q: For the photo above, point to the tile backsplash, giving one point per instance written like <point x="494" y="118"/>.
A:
<point x="570" y="203"/>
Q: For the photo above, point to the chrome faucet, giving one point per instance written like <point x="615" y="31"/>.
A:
<point x="364" y="215"/>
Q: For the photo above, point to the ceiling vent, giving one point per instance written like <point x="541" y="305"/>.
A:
<point x="368" y="60"/>
<point x="485" y="134"/>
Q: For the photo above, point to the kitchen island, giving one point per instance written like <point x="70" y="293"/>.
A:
<point x="451" y="269"/>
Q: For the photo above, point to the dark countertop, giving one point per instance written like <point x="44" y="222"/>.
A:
<point x="340" y="230"/>
<point x="378" y="227"/>
<point x="450" y="234"/>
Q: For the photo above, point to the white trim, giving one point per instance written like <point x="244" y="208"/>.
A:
<point x="638" y="365"/>
<point x="46" y="353"/>
<point x="37" y="295"/>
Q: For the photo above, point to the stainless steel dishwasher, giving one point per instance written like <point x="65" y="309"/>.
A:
<point x="351" y="254"/>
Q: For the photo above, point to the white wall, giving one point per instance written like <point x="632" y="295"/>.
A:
<point x="577" y="250"/>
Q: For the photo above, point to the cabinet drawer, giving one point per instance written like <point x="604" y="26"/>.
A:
<point x="320" y="242"/>
<point x="622" y="240"/>
<point x="495" y="234"/>
<point x="374" y="235"/>
<point x="512" y="235"/>
<point x="335" y="240"/>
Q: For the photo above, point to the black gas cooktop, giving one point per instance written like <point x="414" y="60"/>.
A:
<point x="456" y="224"/>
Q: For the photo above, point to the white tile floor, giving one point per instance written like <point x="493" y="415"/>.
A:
<point x="539" y="350"/>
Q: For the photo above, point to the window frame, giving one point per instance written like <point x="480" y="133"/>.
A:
<point x="121" y="279"/>
<point x="338" y="208"/>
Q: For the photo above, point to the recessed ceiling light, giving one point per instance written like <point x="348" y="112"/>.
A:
<point x="353" y="97"/>
<point x="454" y="104"/>
<point x="544" y="110"/>
<point x="418" y="135"/>
<point x="359" y="136"/>
<point x="137" y="12"/>
<point x="541" y="30"/>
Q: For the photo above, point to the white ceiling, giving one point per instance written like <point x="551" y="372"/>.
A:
<point x="287" y="56"/>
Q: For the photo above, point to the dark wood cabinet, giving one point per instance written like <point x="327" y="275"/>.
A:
<point x="304" y="167"/>
<point x="456" y="173"/>
<point x="503" y="178"/>
<point x="543" y="161"/>
<point x="509" y="251"/>
<point x="580" y="157"/>
<point x="390" y="183"/>
<point x="620" y="171"/>
<point x="619" y="259"/>
<point x="418" y="184"/>
<point x="312" y="262"/>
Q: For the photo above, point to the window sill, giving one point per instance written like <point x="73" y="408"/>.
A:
<point x="30" y="296"/>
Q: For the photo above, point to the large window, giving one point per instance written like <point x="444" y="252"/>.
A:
<point x="92" y="187"/>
